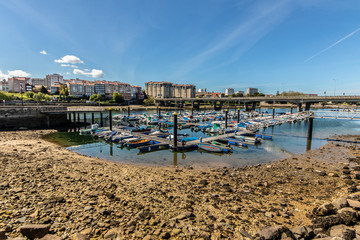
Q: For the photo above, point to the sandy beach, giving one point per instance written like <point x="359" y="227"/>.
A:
<point x="43" y="183"/>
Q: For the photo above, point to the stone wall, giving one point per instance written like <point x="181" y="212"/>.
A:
<point x="32" y="117"/>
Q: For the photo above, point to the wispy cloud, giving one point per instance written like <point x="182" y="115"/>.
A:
<point x="242" y="37"/>
<point x="69" y="65"/>
<point x="43" y="52"/>
<point x="333" y="45"/>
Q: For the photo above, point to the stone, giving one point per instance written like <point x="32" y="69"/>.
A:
<point x="326" y="221"/>
<point x="324" y="210"/>
<point x="79" y="236"/>
<point x="32" y="231"/>
<point x="273" y="232"/>
<point x="343" y="232"/>
<point x="348" y="216"/>
<point x="165" y="235"/>
<point x="269" y="214"/>
<point x="354" y="196"/>
<point x="2" y="234"/>
<point x="51" y="237"/>
<point x="340" y="203"/>
<point x="184" y="216"/>
<point x="113" y="233"/>
<point x="86" y="231"/>
<point x="354" y="204"/>
<point x="302" y="232"/>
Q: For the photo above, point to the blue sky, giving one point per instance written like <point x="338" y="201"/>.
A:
<point x="310" y="46"/>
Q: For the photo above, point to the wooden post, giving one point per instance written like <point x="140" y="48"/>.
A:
<point x="110" y="119"/>
<point x="85" y="118"/>
<point x="309" y="135"/>
<point x="128" y="111"/>
<point x="74" y="117"/>
<point x="273" y="112"/>
<point x="175" y="130"/>
<point x="101" y="120"/>
<point x="291" y="110"/>
<point x="238" y="115"/>
<point x="159" y="112"/>
<point x="92" y="118"/>
<point x="226" y="118"/>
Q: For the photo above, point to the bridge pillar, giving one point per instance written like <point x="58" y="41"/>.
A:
<point x="247" y="107"/>
<point x="85" y="118"/>
<point x="218" y="107"/>
<point x="299" y="107"/>
<point x="196" y="105"/>
<point x="74" y="117"/>
<point x="253" y="106"/>
<point x="101" y="120"/>
<point x="92" y="118"/>
<point x="307" y="106"/>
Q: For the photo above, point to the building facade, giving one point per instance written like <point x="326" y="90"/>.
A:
<point x="53" y="79"/>
<point x="229" y="91"/>
<point x="170" y="90"/>
<point x="251" y="91"/>
<point x="17" y="84"/>
<point x="4" y="86"/>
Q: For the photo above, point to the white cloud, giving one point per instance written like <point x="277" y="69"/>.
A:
<point x="69" y="65"/>
<point x="43" y="52"/>
<point x="14" y="73"/>
<point x="95" y="73"/>
<point x="69" y="59"/>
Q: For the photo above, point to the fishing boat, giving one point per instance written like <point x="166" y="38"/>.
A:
<point x="214" y="148"/>
<point x="137" y="143"/>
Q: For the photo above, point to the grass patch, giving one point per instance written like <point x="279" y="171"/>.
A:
<point x="68" y="139"/>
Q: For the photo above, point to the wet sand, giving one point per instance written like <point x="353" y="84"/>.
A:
<point x="43" y="183"/>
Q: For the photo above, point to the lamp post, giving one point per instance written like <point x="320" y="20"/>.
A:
<point x="21" y="90"/>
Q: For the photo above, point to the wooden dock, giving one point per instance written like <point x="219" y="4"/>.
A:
<point x="214" y="138"/>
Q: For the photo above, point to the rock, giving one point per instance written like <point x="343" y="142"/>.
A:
<point x="165" y="235"/>
<point x="273" y="233"/>
<point x="340" y="203"/>
<point x="269" y="214"/>
<point x="343" y="232"/>
<point x="354" y="196"/>
<point x="324" y="210"/>
<point x="51" y="237"/>
<point x="326" y="221"/>
<point x="35" y="230"/>
<point x="348" y="216"/>
<point x="204" y="182"/>
<point x="354" y="204"/>
<point x="184" y="215"/>
<point x="333" y="175"/>
<point x="86" y="231"/>
<point x="113" y="233"/>
<point x="2" y="234"/>
<point x="346" y="171"/>
<point x="302" y="232"/>
<point x="79" y="236"/>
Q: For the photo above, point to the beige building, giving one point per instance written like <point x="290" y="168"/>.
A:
<point x="17" y="84"/>
<point x="169" y="90"/>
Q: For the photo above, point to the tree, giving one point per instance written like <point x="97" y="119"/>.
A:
<point x="64" y="93"/>
<point x="4" y="96"/>
<point x="43" y="90"/>
<point x="96" y="98"/>
<point x="291" y="93"/>
<point x="118" y="98"/>
<point x="149" y="101"/>
<point x="29" y="94"/>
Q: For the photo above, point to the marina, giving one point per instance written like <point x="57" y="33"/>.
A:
<point x="256" y="139"/>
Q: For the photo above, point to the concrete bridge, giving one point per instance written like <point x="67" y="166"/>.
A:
<point x="251" y="102"/>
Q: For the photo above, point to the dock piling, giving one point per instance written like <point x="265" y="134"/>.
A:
<point x="309" y="135"/>
<point x="85" y="118"/>
<point x="238" y="115"/>
<point x="128" y="111"/>
<point x="175" y="130"/>
<point x="273" y="112"/>
<point x="226" y="118"/>
<point x="110" y="119"/>
<point x="101" y="120"/>
<point x="92" y="118"/>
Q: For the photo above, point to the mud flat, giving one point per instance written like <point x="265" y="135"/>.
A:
<point x="68" y="195"/>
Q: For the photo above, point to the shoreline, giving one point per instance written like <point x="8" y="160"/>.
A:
<point x="43" y="183"/>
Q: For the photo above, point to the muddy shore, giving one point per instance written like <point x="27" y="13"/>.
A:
<point x="42" y="183"/>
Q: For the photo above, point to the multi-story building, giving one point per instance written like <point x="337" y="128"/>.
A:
<point x="229" y="91"/>
<point x="38" y="82"/>
<point x="17" y="84"/>
<point x="251" y="91"/>
<point x="170" y="90"/>
<point x="79" y="88"/>
<point x="53" y="79"/>
<point x="4" y="86"/>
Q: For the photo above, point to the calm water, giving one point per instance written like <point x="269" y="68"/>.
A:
<point x="287" y="139"/>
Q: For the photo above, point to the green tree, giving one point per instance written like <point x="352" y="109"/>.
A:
<point x="149" y="101"/>
<point x="118" y="98"/>
<point x="64" y="92"/>
<point x="4" y="96"/>
<point x="96" y="98"/>
<point x="291" y="93"/>
<point x="43" y="90"/>
<point x="29" y="94"/>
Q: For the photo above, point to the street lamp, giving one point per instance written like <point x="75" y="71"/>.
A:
<point x="21" y="90"/>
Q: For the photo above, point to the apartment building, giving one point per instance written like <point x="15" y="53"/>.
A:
<point x="53" y="79"/>
<point x="17" y="84"/>
<point x="170" y="90"/>
<point x="4" y="86"/>
<point x="251" y="91"/>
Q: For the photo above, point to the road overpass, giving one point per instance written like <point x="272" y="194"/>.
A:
<point x="250" y="102"/>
